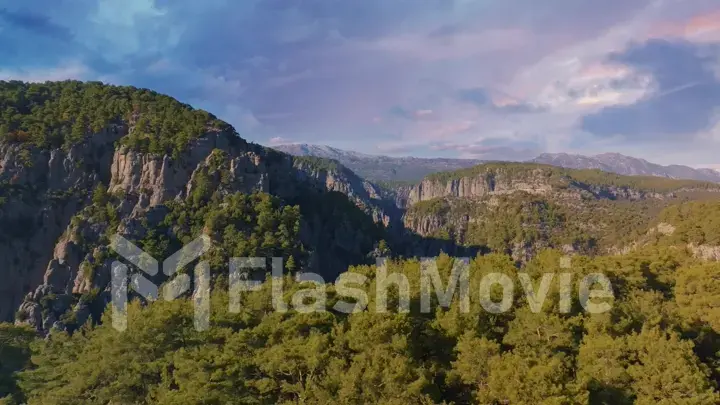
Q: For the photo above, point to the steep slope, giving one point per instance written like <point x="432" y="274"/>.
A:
<point x="380" y="168"/>
<point x="626" y="165"/>
<point x="64" y="143"/>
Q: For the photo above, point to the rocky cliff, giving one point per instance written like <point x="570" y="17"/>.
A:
<point x="507" y="178"/>
<point x="520" y="209"/>
<point x="49" y="237"/>
<point x="481" y="182"/>
<point x="41" y="191"/>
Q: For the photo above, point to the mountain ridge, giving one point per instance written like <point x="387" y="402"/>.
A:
<point x="381" y="168"/>
<point x="626" y="165"/>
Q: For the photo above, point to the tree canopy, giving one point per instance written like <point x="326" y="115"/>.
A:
<point x="62" y="114"/>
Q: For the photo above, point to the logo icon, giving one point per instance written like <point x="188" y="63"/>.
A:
<point x="150" y="267"/>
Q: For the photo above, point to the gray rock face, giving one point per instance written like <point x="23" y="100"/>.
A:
<point x="42" y="191"/>
<point x="490" y="180"/>
<point x="362" y="192"/>
<point x="156" y="179"/>
<point x="482" y="184"/>
<point x="705" y="252"/>
<point x="426" y="225"/>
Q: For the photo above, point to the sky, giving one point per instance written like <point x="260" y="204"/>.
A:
<point x="488" y="79"/>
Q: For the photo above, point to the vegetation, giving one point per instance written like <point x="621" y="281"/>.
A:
<point x="503" y="223"/>
<point x="642" y="183"/>
<point x="14" y="357"/>
<point x="649" y="348"/>
<point x="240" y="225"/>
<point x="696" y="222"/>
<point x="62" y="114"/>
<point x="316" y="163"/>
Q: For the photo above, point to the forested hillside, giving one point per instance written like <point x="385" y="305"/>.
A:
<point x="82" y="162"/>
<point x="62" y="114"/>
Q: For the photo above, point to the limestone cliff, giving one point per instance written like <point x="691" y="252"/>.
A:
<point x="502" y="178"/>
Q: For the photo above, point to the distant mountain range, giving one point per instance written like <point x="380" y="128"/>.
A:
<point x="381" y="168"/>
<point x="626" y="165"/>
<point x="386" y="168"/>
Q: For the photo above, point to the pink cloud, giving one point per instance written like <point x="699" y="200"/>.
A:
<point x="278" y="140"/>
<point x="701" y="27"/>
<point x="448" y="130"/>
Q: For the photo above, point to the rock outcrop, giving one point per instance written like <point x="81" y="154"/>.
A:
<point x="705" y="252"/>
<point x="480" y="184"/>
<point x="501" y="179"/>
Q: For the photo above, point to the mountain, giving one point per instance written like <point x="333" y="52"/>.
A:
<point x="630" y="166"/>
<point x="380" y="168"/>
<point x="80" y="162"/>
<point x="411" y="169"/>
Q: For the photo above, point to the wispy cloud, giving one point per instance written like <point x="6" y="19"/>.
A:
<point x="685" y="97"/>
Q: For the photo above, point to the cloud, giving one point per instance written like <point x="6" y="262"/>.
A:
<point x="278" y="140"/>
<point x="686" y="93"/>
<point x="460" y="45"/>
<point x="451" y="129"/>
<point x="702" y="27"/>
<point x="487" y="151"/>
<point x="37" y="23"/>
<point x="69" y="70"/>
<point x="495" y="100"/>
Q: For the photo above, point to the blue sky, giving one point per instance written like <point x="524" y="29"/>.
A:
<point x="498" y="79"/>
